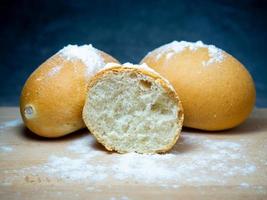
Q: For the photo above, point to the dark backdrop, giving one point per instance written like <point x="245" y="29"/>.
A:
<point x="32" y="31"/>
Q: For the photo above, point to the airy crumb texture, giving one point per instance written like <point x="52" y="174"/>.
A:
<point x="129" y="111"/>
<point x="89" y="55"/>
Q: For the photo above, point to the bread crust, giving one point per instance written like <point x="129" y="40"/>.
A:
<point x="168" y="88"/>
<point x="217" y="96"/>
<point x="54" y="96"/>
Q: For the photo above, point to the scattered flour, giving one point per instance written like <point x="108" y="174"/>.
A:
<point x="54" y="71"/>
<point x="89" y="55"/>
<point x="59" y="193"/>
<point x="209" y="161"/>
<point x="169" y="55"/>
<point x="6" y="149"/>
<point x="216" y="55"/>
<point x="175" y="186"/>
<point x="145" y="168"/>
<point x="119" y="198"/>
<point x="82" y="146"/>
<point x="244" y="185"/>
<point x="10" y="124"/>
<point x="90" y="188"/>
<point x="69" y="169"/>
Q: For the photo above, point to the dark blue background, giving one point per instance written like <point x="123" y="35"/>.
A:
<point x="32" y="31"/>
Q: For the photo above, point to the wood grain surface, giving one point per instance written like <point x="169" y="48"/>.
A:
<point x="223" y="165"/>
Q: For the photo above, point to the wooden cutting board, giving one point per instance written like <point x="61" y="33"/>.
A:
<point x="222" y="165"/>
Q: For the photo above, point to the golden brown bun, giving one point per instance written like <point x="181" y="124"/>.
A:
<point x="142" y="70"/>
<point x="216" y="90"/>
<point x="53" y="96"/>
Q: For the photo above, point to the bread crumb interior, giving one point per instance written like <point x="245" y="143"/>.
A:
<point x="130" y="112"/>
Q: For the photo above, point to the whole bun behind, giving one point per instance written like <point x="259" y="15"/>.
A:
<point x="53" y="97"/>
<point x="216" y="90"/>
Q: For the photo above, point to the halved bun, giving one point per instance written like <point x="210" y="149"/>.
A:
<point x="131" y="108"/>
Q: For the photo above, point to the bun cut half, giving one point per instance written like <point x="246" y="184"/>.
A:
<point x="131" y="108"/>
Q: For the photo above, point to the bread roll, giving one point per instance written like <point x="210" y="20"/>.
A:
<point x="53" y="96"/>
<point x="131" y="108"/>
<point x="216" y="90"/>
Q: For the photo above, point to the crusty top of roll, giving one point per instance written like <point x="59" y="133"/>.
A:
<point x="142" y="66"/>
<point x="89" y="55"/>
<point x="215" y="53"/>
<point x="216" y="90"/>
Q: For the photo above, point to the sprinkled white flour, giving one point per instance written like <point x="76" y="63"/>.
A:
<point x="215" y="54"/>
<point x="244" y="185"/>
<point x="9" y="124"/>
<point x="6" y="149"/>
<point x="83" y="146"/>
<point x="87" y="54"/>
<point x="54" y="71"/>
<point x="73" y="169"/>
<point x="209" y="161"/>
<point x="119" y="198"/>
